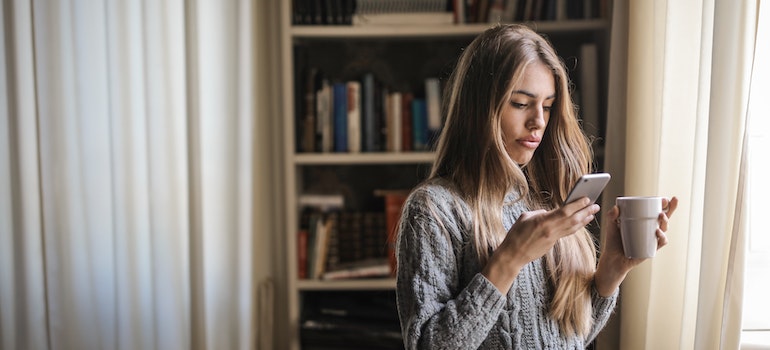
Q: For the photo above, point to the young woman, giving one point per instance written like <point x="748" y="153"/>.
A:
<point x="488" y="254"/>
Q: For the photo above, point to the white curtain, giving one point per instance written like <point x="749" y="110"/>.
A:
<point x="132" y="134"/>
<point x="684" y="70"/>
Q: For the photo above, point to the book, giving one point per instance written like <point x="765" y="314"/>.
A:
<point x="360" y="269"/>
<point x="509" y="11"/>
<point x="324" y="109"/>
<point x="433" y="106"/>
<point x="302" y="236"/>
<point x="419" y="125"/>
<point x="309" y="119"/>
<point x="321" y="202"/>
<point x="458" y="8"/>
<point x="394" y="203"/>
<point x="496" y="9"/>
<point x="394" y="122"/>
<point x="354" y="116"/>
<point x="325" y="243"/>
<point x="340" y="117"/>
<point x="406" y="121"/>
<point x="368" y="116"/>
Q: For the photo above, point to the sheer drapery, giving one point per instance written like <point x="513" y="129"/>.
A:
<point x="130" y="204"/>
<point x="684" y="74"/>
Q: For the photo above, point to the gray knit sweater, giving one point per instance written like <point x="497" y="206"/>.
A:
<point x="445" y="303"/>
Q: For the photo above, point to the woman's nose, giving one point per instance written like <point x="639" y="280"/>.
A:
<point x="537" y="119"/>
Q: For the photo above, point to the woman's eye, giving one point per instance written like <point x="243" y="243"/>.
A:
<point x="547" y="108"/>
<point x="518" y="105"/>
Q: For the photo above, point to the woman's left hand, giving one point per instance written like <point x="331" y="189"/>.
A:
<point x="613" y="263"/>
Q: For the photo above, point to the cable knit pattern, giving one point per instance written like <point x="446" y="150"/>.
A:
<point x="445" y="303"/>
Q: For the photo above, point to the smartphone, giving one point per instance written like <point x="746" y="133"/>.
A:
<point x="589" y="185"/>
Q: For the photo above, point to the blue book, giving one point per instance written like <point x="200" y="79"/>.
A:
<point x="340" y="117"/>
<point x="419" y="124"/>
<point x="368" y="124"/>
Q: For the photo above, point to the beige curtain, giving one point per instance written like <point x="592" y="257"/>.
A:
<point x="684" y="70"/>
<point x="133" y="135"/>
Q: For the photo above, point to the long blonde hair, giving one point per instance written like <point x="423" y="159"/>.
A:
<point x="471" y="154"/>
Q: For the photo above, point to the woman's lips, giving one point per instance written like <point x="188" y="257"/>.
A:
<point x="529" y="142"/>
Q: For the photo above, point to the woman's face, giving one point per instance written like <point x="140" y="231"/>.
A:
<point x="526" y="114"/>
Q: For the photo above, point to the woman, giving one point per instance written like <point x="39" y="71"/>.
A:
<point x="488" y="254"/>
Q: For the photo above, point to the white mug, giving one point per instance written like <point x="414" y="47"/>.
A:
<point x="638" y="223"/>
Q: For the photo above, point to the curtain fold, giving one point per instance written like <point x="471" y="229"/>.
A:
<point x="686" y="85"/>
<point x="127" y="175"/>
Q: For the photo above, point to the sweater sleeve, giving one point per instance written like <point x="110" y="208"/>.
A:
<point x="434" y="310"/>
<point x="602" y="310"/>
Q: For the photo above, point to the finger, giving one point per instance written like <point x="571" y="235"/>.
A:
<point x="670" y="206"/>
<point x="662" y="238"/>
<point x="663" y="222"/>
<point x="612" y="215"/>
<point x="530" y="214"/>
<point x="575" y="206"/>
<point x="580" y="219"/>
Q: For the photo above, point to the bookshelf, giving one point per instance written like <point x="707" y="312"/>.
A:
<point x="402" y="57"/>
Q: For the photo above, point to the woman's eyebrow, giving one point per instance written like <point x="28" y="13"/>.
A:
<point x="527" y="93"/>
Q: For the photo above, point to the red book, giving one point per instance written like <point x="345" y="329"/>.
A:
<point x="394" y="201"/>
<point x="302" y="254"/>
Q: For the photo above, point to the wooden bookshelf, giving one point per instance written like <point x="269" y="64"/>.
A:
<point x="565" y="35"/>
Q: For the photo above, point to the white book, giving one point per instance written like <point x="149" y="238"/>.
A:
<point x="433" y="102"/>
<point x="589" y="89"/>
<point x="323" y="202"/>
<point x="354" y="116"/>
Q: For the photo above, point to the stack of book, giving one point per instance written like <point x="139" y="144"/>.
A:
<point x="338" y="244"/>
<point x="366" y="116"/>
<point x="508" y="11"/>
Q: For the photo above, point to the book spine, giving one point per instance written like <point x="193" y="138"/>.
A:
<point x="419" y="125"/>
<point x="354" y="116"/>
<point x="340" y="117"/>
<point x="324" y="118"/>
<point x="302" y="245"/>
<point x="395" y="115"/>
<point x="309" y="120"/>
<point x="433" y="106"/>
<point x="368" y="117"/>
<point x="406" y="121"/>
<point x="394" y="203"/>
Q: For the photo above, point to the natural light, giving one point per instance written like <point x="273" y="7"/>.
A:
<point x="756" y="322"/>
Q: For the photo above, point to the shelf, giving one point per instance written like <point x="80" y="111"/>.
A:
<point x="421" y="31"/>
<point x="352" y="284"/>
<point x="364" y="158"/>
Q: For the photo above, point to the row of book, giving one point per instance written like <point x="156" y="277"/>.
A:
<point x="508" y="11"/>
<point x="421" y="12"/>
<point x="366" y="116"/>
<point x="333" y="243"/>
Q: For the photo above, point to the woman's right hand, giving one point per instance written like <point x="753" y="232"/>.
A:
<point x="532" y="236"/>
